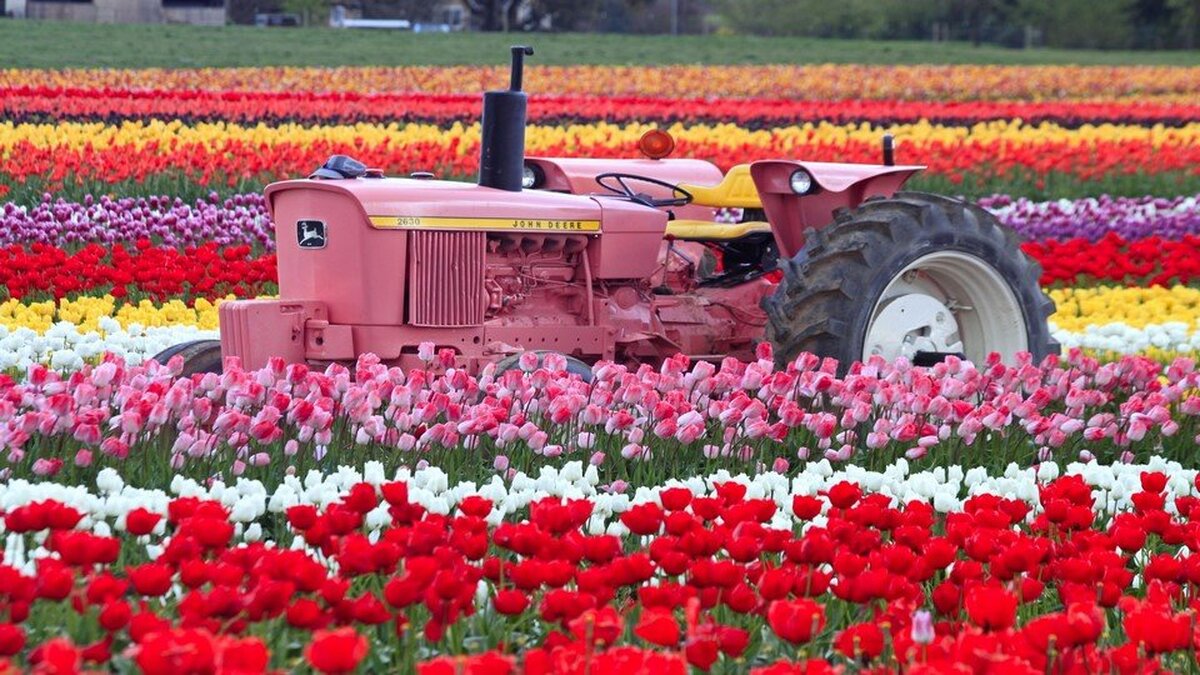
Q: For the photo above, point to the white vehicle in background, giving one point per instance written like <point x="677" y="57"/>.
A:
<point x="338" y="19"/>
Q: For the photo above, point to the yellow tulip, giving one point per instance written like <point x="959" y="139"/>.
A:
<point x="87" y="314"/>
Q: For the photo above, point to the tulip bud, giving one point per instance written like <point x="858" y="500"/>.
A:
<point x="922" y="627"/>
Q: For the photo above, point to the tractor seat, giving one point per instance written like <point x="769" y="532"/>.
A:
<point x="735" y="191"/>
<point x="703" y="230"/>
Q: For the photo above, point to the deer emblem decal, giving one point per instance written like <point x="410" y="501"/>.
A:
<point x="310" y="233"/>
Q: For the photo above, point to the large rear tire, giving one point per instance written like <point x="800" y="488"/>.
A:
<point x="199" y="356"/>
<point x="917" y="275"/>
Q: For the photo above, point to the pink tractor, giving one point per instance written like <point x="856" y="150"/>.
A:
<point x="629" y="260"/>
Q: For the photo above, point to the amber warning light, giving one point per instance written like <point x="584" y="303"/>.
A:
<point x="656" y="144"/>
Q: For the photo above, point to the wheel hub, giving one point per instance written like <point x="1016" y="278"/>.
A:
<point x="912" y="323"/>
<point x="946" y="302"/>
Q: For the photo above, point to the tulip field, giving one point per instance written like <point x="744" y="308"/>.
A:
<point x="732" y="517"/>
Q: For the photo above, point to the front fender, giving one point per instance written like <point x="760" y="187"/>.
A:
<point x="837" y="186"/>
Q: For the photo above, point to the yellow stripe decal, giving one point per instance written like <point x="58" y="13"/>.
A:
<point x="452" y="223"/>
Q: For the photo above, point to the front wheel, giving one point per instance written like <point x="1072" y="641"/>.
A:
<point x="199" y="356"/>
<point x="572" y="365"/>
<point x="920" y="276"/>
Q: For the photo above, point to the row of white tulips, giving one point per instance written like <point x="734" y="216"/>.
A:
<point x="1121" y="338"/>
<point x="65" y="348"/>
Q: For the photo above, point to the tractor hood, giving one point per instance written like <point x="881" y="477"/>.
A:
<point x="421" y="204"/>
<point x="376" y="251"/>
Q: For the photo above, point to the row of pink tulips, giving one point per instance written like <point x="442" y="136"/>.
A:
<point x="636" y="425"/>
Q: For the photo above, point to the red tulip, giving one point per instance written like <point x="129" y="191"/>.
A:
<point x="796" y="621"/>
<point x="336" y="651"/>
<point x="844" y="495"/>
<point x="991" y="607"/>
<point x="643" y="519"/>
<point x="150" y="579"/>
<point x="306" y="614"/>
<point x="56" y="657"/>
<point x="599" y="626"/>
<point x="140" y="522"/>
<point x="12" y="639"/>
<point x="170" y="652"/>
<point x="510" y="602"/>
<point x="244" y="655"/>
<point x="806" y="507"/>
<point x="658" y="627"/>
<point x="861" y="641"/>
<point x="702" y="652"/>
<point x="114" y="615"/>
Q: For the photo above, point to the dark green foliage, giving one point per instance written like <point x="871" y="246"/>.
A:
<point x="83" y="45"/>
<point x="1090" y="24"/>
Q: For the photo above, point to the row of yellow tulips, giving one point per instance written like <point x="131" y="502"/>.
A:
<point x="226" y="152"/>
<point x="1156" y="321"/>
<point x="168" y="135"/>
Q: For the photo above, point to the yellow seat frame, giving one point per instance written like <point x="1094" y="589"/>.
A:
<point x="735" y="191"/>
<point x="703" y="230"/>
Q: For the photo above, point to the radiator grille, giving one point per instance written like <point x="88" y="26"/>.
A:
<point x="235" y="329"/>
<point x="445" y="278"/>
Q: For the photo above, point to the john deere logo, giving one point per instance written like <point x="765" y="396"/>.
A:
<point x="310" y="233"/>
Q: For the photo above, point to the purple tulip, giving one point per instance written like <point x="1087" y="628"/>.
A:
<point x="243" y="219"/>
<point x="168" y="221"/>
<point x="1093" y="218"/>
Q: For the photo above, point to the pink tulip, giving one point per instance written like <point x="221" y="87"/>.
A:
<point x="528" y="361"/>
<point x="47" y="467"/>
<point x="425" y="352"/>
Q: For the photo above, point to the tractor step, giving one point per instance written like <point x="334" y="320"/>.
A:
<point x="926" y="359"/>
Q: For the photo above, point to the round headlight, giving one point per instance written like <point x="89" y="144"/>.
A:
<point x="531" y="177"/>
<point x="801" y="181"/>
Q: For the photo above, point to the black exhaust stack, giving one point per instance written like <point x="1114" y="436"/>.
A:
<point x="502" y="148"/>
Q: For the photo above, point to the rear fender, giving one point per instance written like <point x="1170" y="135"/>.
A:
<point x="837" y="186"/>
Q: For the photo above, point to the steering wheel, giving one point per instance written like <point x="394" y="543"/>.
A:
<point x="616" y="183"/>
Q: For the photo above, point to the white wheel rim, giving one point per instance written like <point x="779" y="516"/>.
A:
<point x="950" y="302"/>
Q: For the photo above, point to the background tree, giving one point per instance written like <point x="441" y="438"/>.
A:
<point x="561" y="15"/>
<point x="486" y="14"/>
<point x="311" y="12"/>
<point x="1187" y="19"/>
<point x="416" y="11"/>
<point x="1094" y="24"/>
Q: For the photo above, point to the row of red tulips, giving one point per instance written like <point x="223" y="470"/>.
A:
<point x="347" y="107"/>
<point x="709" y="580"/>
<point x="1112" y="259"/>
<point x="43" y="271"/>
